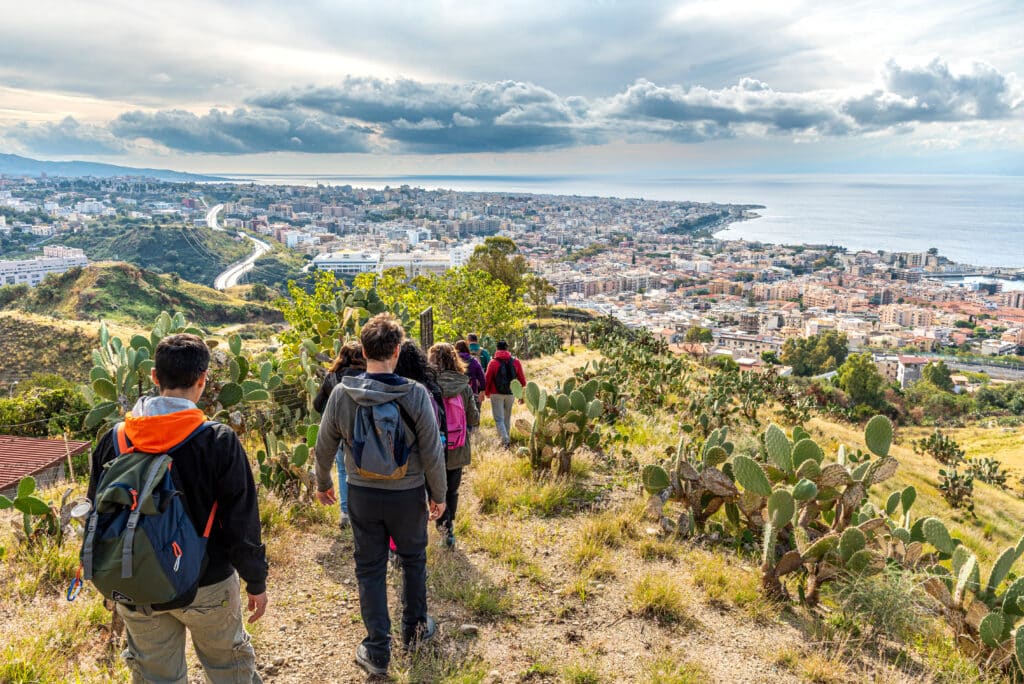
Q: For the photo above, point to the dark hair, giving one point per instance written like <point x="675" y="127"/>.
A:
<point x="471" y="337"/>
<point x="180" y="360"/>
<point x="462" y="347"/>
<point x="502" y="345"/>
<point x="442" y="356"/>
<point x="349" y="356"/>
<point x="412" y="364"/>
<point x="381" y="336"/>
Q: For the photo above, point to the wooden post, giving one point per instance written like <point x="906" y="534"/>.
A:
<point x="67" y="451"/>
<point x="427" y="328"/>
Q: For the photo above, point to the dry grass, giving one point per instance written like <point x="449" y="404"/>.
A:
<point x="668" y="670"/>
<point x="656" y="595"/>
<point x="726" y="583"/>
<point x="999" y="513"/>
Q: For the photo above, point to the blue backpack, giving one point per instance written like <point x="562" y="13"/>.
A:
<point x="140" y="546"/>
<point x="379" y="445"/>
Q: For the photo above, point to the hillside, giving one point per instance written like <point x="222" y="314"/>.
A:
<point x="126" y="293"/>
<point x="15" y="165"/>
<point x="34" y="344"/>
<point x="195" y="253"/>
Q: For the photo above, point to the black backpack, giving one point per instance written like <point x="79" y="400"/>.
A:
<point x="504" y="377"/>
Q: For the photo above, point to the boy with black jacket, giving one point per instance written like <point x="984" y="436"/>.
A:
<point x="213" y="474"/>
<point x="380" y="508"/>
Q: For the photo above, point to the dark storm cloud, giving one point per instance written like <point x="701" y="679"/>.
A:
<point x="67" y="136"/>
<point x="243" y="131"/>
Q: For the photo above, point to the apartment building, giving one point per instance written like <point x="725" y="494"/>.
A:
<point x="32" y="271"/>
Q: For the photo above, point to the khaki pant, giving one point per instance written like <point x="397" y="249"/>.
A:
<point x="156" y="642"/>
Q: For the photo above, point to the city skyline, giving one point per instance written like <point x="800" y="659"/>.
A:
<point x="641" y="88"/>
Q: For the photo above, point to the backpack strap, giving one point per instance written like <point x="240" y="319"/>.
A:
<point x="122" y="445"/>
<point x="128" y="551"/>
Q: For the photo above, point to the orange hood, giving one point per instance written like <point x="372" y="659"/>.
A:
<point x="157" y="434"/>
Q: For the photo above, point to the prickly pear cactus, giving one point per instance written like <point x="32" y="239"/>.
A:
<point x="562" y="423"/>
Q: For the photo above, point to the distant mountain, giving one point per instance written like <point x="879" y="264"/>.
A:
<point x="14" y="165"/>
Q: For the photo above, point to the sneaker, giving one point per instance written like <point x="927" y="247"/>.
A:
<point x="343" y="521"/>
<point x="424" y="632"/>
<point x="449" y="539"/>
<point x="374" y="666"/>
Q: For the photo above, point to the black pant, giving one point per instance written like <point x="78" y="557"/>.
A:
<point x="451" y="501"/>
<point x="377" y="514"/>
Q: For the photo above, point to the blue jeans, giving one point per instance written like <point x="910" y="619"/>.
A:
<point x="501" y="409"/>
<point x="339" y="459"/>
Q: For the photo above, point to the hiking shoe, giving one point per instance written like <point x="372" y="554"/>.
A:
<point x="343" y="521"/>
<point x="449" y="538"/>
<point x="374" y="666"/>
<point x="424" y="632"/>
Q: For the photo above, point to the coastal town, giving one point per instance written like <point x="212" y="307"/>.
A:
<point x="655" y="264"/>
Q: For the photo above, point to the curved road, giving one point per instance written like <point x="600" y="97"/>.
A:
<point x="231" y="275"/>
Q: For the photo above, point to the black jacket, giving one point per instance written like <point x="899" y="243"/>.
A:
<point x="212" y="466"/>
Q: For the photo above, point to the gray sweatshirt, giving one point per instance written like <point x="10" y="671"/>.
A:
<point x="426" y="457"/>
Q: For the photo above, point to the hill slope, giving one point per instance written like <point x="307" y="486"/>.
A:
<point x="39" y="344"/>
<point x="195" y="253"/>
<point x="15" y="165"/>
<point x="124" y="292"/>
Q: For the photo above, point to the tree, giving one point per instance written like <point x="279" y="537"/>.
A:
<point x="860" y="379"/>
<point x="536" y="291"/>
<point x="498" y="257"/>
<point x="698" y="334"/>
<point x="815" y="354"/>
<point x="938" y="374"/>
<point x="770" y="357"/>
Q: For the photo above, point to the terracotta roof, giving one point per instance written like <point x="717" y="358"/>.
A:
<point x="21" y="456"/>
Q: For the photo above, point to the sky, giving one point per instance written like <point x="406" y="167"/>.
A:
<point x="536" y="87"/>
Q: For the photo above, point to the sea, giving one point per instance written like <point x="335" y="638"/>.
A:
<point x="977" y="220"/>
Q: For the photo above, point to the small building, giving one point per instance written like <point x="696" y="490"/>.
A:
<point x="41" y="458"/>
<point x="909" y="370"/>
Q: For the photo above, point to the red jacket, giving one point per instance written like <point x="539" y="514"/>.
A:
<point x="492" y="371"/>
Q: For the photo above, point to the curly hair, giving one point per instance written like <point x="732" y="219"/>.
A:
<point x="349" y="356"/>
<point x="442" y="356"/>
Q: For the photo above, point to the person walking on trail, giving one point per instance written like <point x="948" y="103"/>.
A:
<point x="501" y="371"/>
<point x="461" y="414"/>
<point x="474" y="370"/>
<point x="211" y="474"/>
<point x="396" y="482"/>
<point x="478" y="351"/>
<point x="350" y="361"/>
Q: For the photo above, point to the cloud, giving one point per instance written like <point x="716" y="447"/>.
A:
<point x="242" y="131"/>
<point x="932" y="93"/>
<point x="442" y="117"/>
<point x="406" y="116"/>
<point x="67" y="136"/>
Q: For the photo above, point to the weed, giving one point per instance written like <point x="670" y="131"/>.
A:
<point x="452" y="578"/>
<point x="729" y="585"/>
<point x="654" y="549"/>
<point x="500" y="543"/>
<point x="665" y="670"/>
<point x="657" y="595"/>
<point x="504" y="485"/>
<point x="888" y="605"/>
<point x="581" y="674"/>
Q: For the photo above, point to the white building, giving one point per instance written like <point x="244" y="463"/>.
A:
<point x="417" y="262"/>
<point x="32" y="271"/>
<point x="460" y="254"/>
<point x="347" y="262"/>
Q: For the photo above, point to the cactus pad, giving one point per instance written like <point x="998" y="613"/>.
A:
<point x="833" y="475"/>
<point x="808" y="470"/>
<point x="750" y="476"/>
<point x="807" y="449"/>
<point x="654" y="478"/>
<point x="937" y="535"/>
<point x="805" y="490"/>
<point x="991" y="629"/>
<point x="781" y="507"/>
<point x="852" y="541"/>
<point x="779" y="448"/>
<point x="1012" y="598"/>
<point x="878" y="435"/>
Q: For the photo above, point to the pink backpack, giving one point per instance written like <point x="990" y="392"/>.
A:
<point x="455" y="419"/>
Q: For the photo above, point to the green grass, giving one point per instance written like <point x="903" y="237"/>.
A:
<point x="725" y="583"/>
<point x="666" y="670"/>
<point x="578" y="673"/>
<point x="451" y="577"/>
<point x="504" y="485"/>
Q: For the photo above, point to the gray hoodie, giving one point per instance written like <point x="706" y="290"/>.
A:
<point x="426" y="457"/>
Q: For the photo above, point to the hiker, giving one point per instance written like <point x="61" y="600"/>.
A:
<point x="212" y="474"/>
<point x="474" y="370"/>
<point x="350" y="361"/>
<point x="461" y="413"/>
<point x="395" y="465"/>
<point x="501" y="371"/>
<point x="478" y="351"/>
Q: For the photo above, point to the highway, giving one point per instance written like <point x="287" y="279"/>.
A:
<point x="230" y="276"/>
